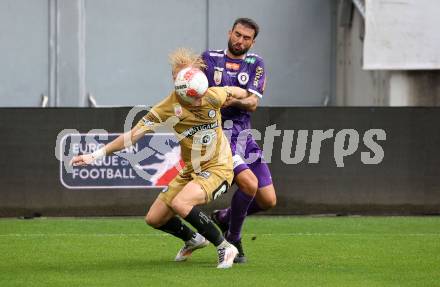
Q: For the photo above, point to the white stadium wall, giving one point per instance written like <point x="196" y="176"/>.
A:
<point x="116" y="51"/>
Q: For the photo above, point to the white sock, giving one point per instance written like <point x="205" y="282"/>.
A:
<point x="224" y="244"/>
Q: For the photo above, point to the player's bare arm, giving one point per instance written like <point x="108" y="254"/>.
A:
<point x="248" y="103"/>
<point x="236" y="92"/>
<point x="121" y="142"/>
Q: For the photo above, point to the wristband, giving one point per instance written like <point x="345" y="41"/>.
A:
<point x="98" y="154"/>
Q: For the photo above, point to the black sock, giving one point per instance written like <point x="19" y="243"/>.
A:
<point x="204" y="226"/>
<point x="175" y="227"/>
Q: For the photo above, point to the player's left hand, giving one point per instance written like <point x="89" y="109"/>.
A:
<point x="81" y="160"/>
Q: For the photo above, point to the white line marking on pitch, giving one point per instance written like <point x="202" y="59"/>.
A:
<point x="81" y="235"/>
<point x="245" y="234"/>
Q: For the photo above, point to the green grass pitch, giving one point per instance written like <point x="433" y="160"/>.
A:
<point x="282" y="251"/>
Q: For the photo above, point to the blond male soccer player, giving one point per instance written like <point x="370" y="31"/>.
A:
<point x="208" y="171"/>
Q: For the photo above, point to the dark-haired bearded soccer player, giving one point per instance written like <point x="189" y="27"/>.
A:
<point x="235" y="67"/>
<point x="207" y="174"/>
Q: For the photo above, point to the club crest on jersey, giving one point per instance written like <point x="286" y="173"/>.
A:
<point x="178" y="110"/>
<point x="218" y="74"/>
<point x="211" y="113"/>
<point x="243" y="78"/>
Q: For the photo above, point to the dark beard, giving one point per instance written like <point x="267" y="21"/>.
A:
<point x="235" y="52"/>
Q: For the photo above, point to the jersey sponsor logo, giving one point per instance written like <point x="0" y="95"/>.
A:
<point x="178" y="111"/>
<point x="250" y="60"/>
<point x="193" y="130"/>
<point x="204" y="174"/>
<point x="223" y="188"/>
<point x="258" y="74"/>
<point x="243" y="78"/>
<point x="218" y="74"/>
<point x="211" y="113"/>
<point x="213" y="54"/>
<point x="232" y="66"/>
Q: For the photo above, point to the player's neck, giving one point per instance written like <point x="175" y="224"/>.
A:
<point x="232" y="56"/>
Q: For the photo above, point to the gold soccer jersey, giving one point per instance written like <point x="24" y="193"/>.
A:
<point x="198" y="129"/>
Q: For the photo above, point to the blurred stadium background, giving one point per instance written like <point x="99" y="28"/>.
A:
<point x="332" y="65"/>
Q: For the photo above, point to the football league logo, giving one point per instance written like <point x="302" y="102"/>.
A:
<point x="218" y="74"/>
<point x="178" y="110"/>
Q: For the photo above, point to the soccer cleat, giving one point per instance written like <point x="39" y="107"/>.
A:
<point x="193" y="244"/>
<point x="215" y="217"/>
<point x="240" y="258"/>
<point x="226" y="256"/>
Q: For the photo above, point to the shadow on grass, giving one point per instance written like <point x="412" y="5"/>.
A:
<point x="116" y="265"/>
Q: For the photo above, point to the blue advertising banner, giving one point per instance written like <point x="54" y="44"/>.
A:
<point x="153" y="161"/>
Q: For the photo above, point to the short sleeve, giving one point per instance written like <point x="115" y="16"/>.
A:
<point x="257" y="79"/>
<point x="149" y="122"/>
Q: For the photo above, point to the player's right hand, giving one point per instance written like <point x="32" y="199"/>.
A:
<point x="84" y="159"/>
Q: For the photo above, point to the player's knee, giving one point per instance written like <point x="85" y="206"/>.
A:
<point x="252" y="187"/>
<point x="182" y="209"/>
<point x="179" y="206"/>
<point x="152" y="220"/>
<point x="268" y="202"/>
<point x="272" y="202"/>
<point x="248" y="185"/>
<point x="175" y="204"/>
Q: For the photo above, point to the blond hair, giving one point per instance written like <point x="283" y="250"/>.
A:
<point x="184" y="57"/>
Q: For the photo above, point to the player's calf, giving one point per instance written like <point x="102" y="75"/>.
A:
<point x="216" y="218"/>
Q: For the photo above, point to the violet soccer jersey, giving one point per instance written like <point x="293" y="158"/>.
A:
<point x="247" y="73"/>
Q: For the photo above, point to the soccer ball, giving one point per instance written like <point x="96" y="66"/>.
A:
<point x="190" y="84"/>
